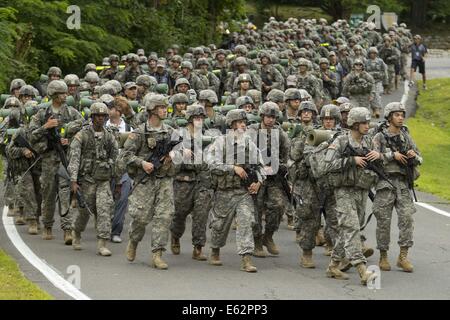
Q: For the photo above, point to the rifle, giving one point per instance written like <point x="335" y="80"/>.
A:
<point x="282" y="176"/>
<point x="156" y="156"/>
<point x="63" y="173"/>
<point x="21" y="142"/>
<point x="374" y="166"/>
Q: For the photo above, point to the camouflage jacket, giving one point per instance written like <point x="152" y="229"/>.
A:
<point x="354" y="84"/>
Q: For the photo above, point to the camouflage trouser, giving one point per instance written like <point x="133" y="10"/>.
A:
<point x="391" y="77"/>
<point x="100" y="201"/>
<point x="349" y="203"/>
<point x="25" y="190"/>
<point x="385" y="201"/>
<point x="228" y="204"/>
<point x="404" y="65"/>
<point x="9" y="194"/>
<point x="308" y="215"/>
<point x="49" y="189"/>
<point x="361" y="100"/>
<point x="191" y="198"/>
<point x="152" y="201"/>
<point x="271" y="200"/>
<point x="331" y="227"/>
<point x="376" y="102"/>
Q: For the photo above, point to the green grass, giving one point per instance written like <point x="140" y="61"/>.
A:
<point x="13" y="284"/>
<point x="430" y="129"/>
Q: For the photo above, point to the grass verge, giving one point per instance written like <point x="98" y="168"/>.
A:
<point x="430" y="129"/>
<point x="13" y="284"/>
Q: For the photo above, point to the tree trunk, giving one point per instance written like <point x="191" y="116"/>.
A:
<point x="418" y="12"/>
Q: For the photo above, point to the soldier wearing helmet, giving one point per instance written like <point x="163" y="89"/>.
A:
<point x="330" y="115"/>
<point x="194" y="80"/>
<point x="46" y="128"/>
<point x="391" y="55"/>
<point x="215" y="120"/>
<point x="241" y="66"/>
<point x="220" y="67"/>
<point x="329" y="81"/>
<point x="15" y="86"/>
<point x="179" y="103"/>
<point x="245" y="103"/>
<point x="145" y="84"/>
<point x="270" y="76"/>
<point x="401" y="159"/>
<point x="344" y="154"/>
<point x="244" y="83"/>
<point x="159" y="206"/>
<point x="210" y="79"/>
<point x="359" y="85"/>
<point x="376" y="67"/>
<point x="111" y="71"/>
<point x="132" y="71"/>
<point x="345" y="109"/>
<point x="26" y="93"/>
<point x="73" y="88"/>
<point x="307" y="81"/>
<point x="193" y="182"/>
<point x="94" y="151"/>
<point x="235" y="183"/>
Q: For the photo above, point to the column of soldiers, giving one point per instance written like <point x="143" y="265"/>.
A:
<point x="289" y="82"/>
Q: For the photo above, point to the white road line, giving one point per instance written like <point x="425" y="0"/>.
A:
<point x="434" y="209"/>
<point x="58" y="281"/>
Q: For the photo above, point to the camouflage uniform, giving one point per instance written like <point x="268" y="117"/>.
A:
<point x="359" y="88"/>
<point x="311" y="84"/>
<point x="51" y="161"/>
<point x="379" y="71"/>
<point x="387" y="197"/>
<point x="92" y="159"/>
<point x="151" y="200"/>
<point x="391" y="56"/>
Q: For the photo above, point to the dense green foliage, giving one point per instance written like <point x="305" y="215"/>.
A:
<point x="34" y="34"/>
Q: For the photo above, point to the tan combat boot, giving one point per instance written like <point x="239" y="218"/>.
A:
<point x="384" y="262"/>
<point x="328" y="248"/>
<point x="214" y="257"/>
<point x="247" y="265"/>
<point x="366" y="276"/>
<point x="403" y="261"/>
<point x="290" y="223"/>
<point x="67" y="237"/>
<point x="47" y="234"/>
<point x="345" y="265"/>
<point x="297" y="236"/>
<point x="366" y="251"/>
<point x="334" y="272"/>
<point x="269" y="244"/>
<point x="102" y="249"/>
<point x="76" y="240"/>
<point x="158" y="262"/>
<point x="306" y="261"/>
<point x="259" y="250"/>
<point x="197" y="254"/>
<point x="20" y="218"/>
<point x="131" y="250"/>
<point x="32" y="227"/>
<point x="175" y="245"/>
<point x="11" y="212"/>
<point x="320" y="238"/>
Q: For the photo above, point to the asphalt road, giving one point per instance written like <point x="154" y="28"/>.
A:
<point x="277" y="277"/>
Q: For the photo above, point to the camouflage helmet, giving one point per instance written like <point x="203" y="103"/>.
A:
<point x="152" y="57"/>
<point x="105" y="61"/>
<point x="255" y="95"/>
<point x="54" y="71"/>
<point x="275" y="95"/>
<point x="144" y="80"/>
<point x="269" y="108"/>
<point x="180" y="98"/>
<point x="107" y="88"/>
<point x="303" y="62"/>
<point x="195" y="110"/>
<point x="373" y="50"/>
<point x="292" y="94"/>
<point x="55" y="87"/>
<point x="72" y="80"/>
<point x="235" y="115"/>
<point x="16" y="84"/>
<point x="12" y="102"/>
<point x="208" y="95"/>
<point x="107" y="99"/>
<point x="304" y="95"/>
<point x="244" y="77"/>
<point x="330" y="110"/>
<point x="113" y="57"/>
<point x="99" y="108"/>
<point x="342" y="100"/>
<point x="181" y="81"/>
<point x="241" y="49"/>
<point x="187" y="64"/>
<point x="117" y="86"/>
<point x="132" y="57"/>
<point x="358" y="61"/>
<point x="198" y="50"/>
<point x="27" y="90"/>
<point x="264" y="54"/>
<point x="90" y="67"/>
<point x="346" y="107"/>
<point x="358" y="115"/>
<point x="140" y="52"/>
<point x="308" y="105"/>
<point x="393" y="107"/>
<point x="176" y="58"/>
<point x="240" y="61"/>
<point x="243" y="100"/>
<point x="220" y="51"/>
<point x="202" y="61"/>
<point x="324" y="60"/>
<point x="154" y="101"/>
<point x="357" y="47"/>
<point x="15" y="115"/>
<point x="92" y="76"/>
